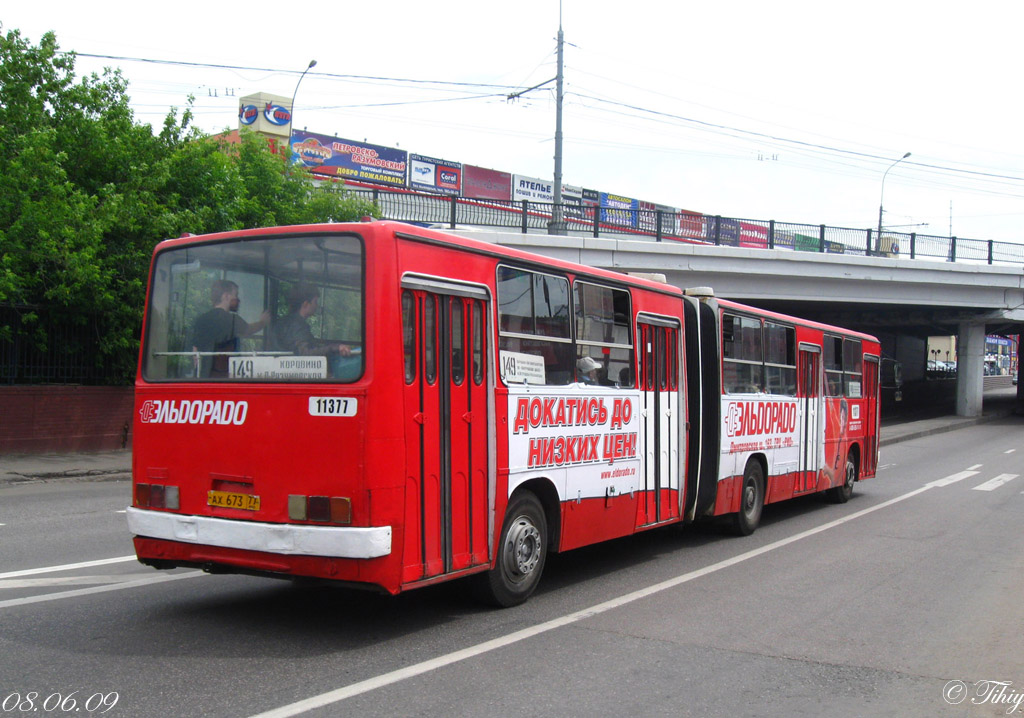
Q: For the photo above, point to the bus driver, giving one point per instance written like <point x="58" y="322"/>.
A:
<point x="292" y="333"/>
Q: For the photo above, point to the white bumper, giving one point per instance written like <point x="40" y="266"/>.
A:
<point x="299" y="540"/>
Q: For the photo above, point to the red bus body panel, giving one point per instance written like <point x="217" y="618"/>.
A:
<point x="429" y="457"/>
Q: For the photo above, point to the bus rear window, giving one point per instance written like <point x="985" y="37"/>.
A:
<point x="286" y="309"/>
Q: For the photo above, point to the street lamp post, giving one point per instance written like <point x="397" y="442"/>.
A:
<point x="882" y="196"/>
<point x="312" y="64"/>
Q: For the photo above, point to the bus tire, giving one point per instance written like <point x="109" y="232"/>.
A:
<point x="842" y="494"/>
<point x="751" y="500"/>
<point x="521" y="554"/>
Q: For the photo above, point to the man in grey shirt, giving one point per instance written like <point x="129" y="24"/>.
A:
<point x="219" y="330"/>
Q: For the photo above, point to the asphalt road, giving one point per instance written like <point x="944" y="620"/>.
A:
<point x="906" y="599"/>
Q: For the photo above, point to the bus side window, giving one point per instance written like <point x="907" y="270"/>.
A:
<point x="409" y="335"/>
<point x="430" y="339"/>
<point x="478" y="343"/>
<point x="458" y="355"/>
<point x="534" y="319"/>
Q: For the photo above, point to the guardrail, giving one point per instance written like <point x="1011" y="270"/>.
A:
<point x="660" y="225"/>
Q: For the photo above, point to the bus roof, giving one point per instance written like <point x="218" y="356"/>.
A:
<point x="417" y="233"/>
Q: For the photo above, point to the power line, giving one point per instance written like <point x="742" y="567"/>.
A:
<point x="786" y="140"/>
<point x="331" y="75"/>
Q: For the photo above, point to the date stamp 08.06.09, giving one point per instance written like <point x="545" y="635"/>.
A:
<point x="73" y="702"/>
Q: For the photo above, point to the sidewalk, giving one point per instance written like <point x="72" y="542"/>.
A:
<point x="997" y="404"/>
<point x="101" y="466"/>
<point x="116" y="465"/>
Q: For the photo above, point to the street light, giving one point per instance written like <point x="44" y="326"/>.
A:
<point x="881" y="197"/>
<point x="312" y="64"/>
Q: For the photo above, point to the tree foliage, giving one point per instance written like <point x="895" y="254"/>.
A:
<point x="86" y="192"/>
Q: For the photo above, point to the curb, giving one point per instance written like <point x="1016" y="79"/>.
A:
<point x="961" y="424"/>
<point x="13" y="479"/>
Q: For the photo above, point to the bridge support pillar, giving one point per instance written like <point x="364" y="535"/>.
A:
<point x="970" y="369"/>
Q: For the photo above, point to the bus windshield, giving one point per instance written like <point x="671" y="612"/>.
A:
<point x="266" y="310"/>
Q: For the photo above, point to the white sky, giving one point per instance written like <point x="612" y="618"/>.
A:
<point x="877" y="77"/>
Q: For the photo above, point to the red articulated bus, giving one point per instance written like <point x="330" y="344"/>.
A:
<point x="387" y="406"/>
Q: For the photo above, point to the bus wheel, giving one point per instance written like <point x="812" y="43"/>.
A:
<point x="842" y="494"/>
<point x="521" y="554"/>
<point x="751" y="500"/>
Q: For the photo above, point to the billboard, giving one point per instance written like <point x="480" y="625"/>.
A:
<point x="432" y="175"/>
<point x="807" y="243"/>
<point x="753" y="235"/>
<point x="348" y="159"/>
<point x="728" y="231"/>
<point x="690" y="225"/>
<point x="580" y="203"/>
<point x="648" y="218"/>
<point x="618" y="210"/>
<point x="480" y="183"/>
<point x="532" y="189"/>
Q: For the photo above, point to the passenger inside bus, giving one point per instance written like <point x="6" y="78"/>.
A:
<point x="588" y="370"/>
<point x="292" y="333"/>
<point x="220" y="329"/>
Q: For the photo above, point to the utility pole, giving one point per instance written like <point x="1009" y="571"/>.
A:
<point x="557" y="224"/>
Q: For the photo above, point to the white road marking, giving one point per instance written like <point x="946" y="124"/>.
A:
<point x="371" y="684"/>
<point x="99" y="589"/>
<point x="952" y="478"/>
<point x="66" y="581"/>
<point x="1010" y="451"/>
<point x="67" y="566"/>
<point x="995" y="483"/>
<point x="976" y="466"/>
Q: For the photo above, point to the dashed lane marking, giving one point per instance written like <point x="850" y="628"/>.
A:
<point x="995" y="483"/>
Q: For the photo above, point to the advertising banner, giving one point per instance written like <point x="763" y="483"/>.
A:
<point x="532" y="189"/>
<point x="348" y="159"/>
<point x="432" y="175"/>
<point x="580" y="203"/>
<point x="759" y="426"/>
<point x="784" y="240"/>
<point x="690" y="225"/>
<point x="647" y="216"/>
<point x="728" y="231"/>
<point x="618" y="210"/>
<point x="753" y="235"/>
<point x="591" y="440"/>
<point x="480" y="183"/>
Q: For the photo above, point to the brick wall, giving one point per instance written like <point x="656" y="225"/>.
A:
<point x="45" y="419"/>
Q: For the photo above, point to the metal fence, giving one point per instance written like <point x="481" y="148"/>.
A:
<point x="674" y="226"/>
<point x="42" y="348"/>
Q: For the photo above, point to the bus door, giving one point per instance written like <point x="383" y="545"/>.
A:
<point x="811" y="437"/>
<point x="658" y="363"/>
<point x="870" y="389"/>
<point x="446" y="427"/>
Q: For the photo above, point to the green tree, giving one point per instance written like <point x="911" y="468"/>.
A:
<point x="86" y="192"/>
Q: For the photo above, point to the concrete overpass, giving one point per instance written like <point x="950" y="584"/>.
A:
<point x="902" y="301"/>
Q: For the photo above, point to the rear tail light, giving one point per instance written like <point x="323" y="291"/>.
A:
<point x="157" y="496"/>
<point x="325" y="509"/>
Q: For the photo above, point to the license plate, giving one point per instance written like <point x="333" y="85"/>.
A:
<point x="228" y="500"/>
